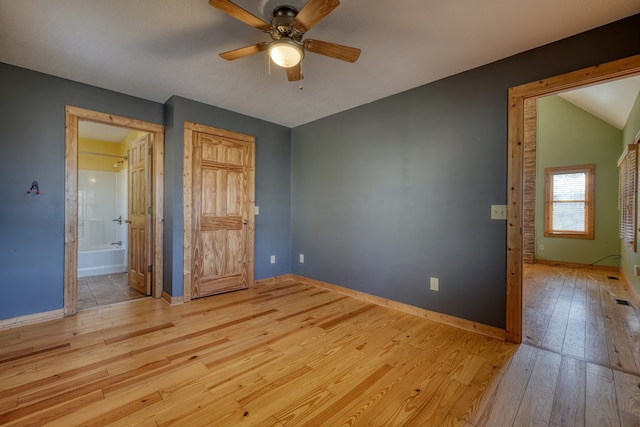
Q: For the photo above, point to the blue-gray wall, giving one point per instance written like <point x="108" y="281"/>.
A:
<point x="273" y="187"/>
<point x="388" y="194"/>
<point x="32" y="145"/>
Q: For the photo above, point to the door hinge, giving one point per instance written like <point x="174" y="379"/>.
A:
<point x="150" y="269"/>
<point x="150" y="210"/>
<point x="150" y="151"/>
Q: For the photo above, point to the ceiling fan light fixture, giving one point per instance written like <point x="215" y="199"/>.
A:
<point x="285" y="52"/>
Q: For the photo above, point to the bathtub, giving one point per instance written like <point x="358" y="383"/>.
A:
<point x="102" y="261"/>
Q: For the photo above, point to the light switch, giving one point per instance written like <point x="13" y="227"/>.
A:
<point x="498" y="211"/>
<point x="257" y="210"/>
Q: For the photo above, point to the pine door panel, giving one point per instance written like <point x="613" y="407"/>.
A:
<point x="220" y="180"/>
<point x="139" y="202"/>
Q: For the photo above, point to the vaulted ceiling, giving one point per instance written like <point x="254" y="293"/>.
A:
<point x="157" y="48"/>
<point x="611" y="102"/>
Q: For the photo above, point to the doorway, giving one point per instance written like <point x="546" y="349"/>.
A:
<point x="110" y="229"/>
<point x="571" y="286"/>
<point x="109" y="165"/>
<point x="521" y="141"/>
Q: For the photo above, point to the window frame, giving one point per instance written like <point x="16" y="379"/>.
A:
<point x="590" y="174"/>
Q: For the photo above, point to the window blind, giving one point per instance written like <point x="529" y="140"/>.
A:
<point x="627" y="195"/>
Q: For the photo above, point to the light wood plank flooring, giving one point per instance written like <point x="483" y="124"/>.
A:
<point x="574" y="312"/>
<point x="292" y="354"/>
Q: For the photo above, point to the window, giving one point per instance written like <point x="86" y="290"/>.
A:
<point x="627" y="196"/>
<point x="569" y="201"/>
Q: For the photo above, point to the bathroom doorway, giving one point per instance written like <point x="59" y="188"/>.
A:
<point x="108" y="156"/>
<point x="113" y="209"/>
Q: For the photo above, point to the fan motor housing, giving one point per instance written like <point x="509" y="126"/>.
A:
<point x="283" y="16"/>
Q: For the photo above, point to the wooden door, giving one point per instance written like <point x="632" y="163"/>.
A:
<point x="139" y="216"/>
<point x="221" y="180"/>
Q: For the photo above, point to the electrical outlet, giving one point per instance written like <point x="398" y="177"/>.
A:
<point x="273" y="259"/>
<point x="434" y="284"/>
<point x="301" y="258"/>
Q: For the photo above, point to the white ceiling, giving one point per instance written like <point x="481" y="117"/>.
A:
<point x="157" y="48"/>
<point x="611" y="102"/>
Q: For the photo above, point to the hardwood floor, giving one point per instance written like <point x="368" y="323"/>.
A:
<point x="574" y="312"/>
<point x="292" y="354"/>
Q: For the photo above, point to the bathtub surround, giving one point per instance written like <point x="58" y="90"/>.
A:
<point x="102" y="198"/>
<point x="102" y="261"/>
<point x="102" y="240"/>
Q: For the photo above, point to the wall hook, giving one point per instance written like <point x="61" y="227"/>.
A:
<point x="34" y="187"/>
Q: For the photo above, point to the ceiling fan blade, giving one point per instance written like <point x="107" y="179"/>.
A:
<point x="294" y="73"/>
<point x="244" y="51"/>
<point x="337" y="51"/>
<point x="313" y="12"/>
<point x="240" y="14"/>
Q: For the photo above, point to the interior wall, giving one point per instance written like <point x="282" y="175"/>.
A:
<point x="629" y="257"/>
<point x="273" y="187"/>
<point x="32" y="146"/>
<point x="391" y="193"/>
<point x="94" y="162"/>
<point x="570" y="136"/>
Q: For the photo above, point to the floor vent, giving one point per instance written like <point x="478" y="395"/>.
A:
<point x="612" y="278"/>
<point x="622" y="301"/>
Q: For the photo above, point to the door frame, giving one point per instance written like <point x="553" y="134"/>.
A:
<point x="190" y="129"/>
<point x="522" y="121"/>
<point x="73" y="115"/>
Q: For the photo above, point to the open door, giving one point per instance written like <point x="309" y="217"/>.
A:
<point x="139" y="215"/>
<point x="156" y="167"/>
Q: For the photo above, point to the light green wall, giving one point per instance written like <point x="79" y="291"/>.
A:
<point x="630" y="258"/>
<point x="567" y="136"/>
<point x="633" y="125"/>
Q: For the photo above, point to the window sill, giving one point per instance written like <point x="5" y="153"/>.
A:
<point x="566" y="235"/>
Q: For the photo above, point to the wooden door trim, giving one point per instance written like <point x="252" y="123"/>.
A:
<point x="189" y="129"/>
<point x="520" y="138"/>
<point x="72" y="116"/>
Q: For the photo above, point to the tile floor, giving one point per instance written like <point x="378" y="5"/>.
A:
<point x="94" y="291"/>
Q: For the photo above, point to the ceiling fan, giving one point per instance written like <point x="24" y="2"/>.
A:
<point x="287" y="27"/>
